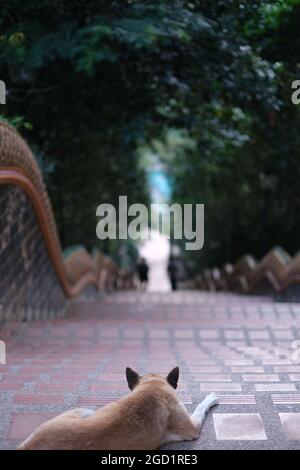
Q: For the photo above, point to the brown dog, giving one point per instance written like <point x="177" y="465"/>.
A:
<point x="147" y="418"/>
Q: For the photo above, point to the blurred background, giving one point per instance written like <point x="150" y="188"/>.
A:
<point x="177" y="101"/>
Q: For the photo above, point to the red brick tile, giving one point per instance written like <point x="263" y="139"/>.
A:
<point x="247" y="369"/>
<point x="23" y="424"/>
<point x="45" y="399"/>
<point x="158" y="333"/>
<point x="222" y="387"/>
<point x="205" y="369"/>
<point x="134" y="333"/>
<point x="212" y="378"/>
<point x="283" y="387"/>
<point x="95" y="401"/>
<point x="259" y="334"/>
<point x="239" y="362"/>
<point x="54" y="386"/>
<point x="291" y="425"/>
<point x="236" y="399"/>
<point x="122" y="387"/>
<point x="286" y="369"/>
<point x="111" y="377"/>
<point x="260" y="378"/>
<point x="13" y="386"/>
<point x="283" y="334"/>
<point x="184" y="333"/>
<point x="294" y="377"/>
<point x="234" y="334"/>
<point x="76" y="378"/>
<point x="35" y="369"/>
<point x="286" y="398"/>
<point x="209" y="334"/>
<point x="239" y="426"/>
<point x="275" y="361"/>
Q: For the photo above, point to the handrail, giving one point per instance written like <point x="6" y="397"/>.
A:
<point x="19" y="168"/>
<point x="276" y="268"/>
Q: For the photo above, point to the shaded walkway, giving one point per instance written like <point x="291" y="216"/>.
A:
<point x="237" y="346"/>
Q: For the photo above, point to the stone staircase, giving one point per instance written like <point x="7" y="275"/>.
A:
<point x="244" y="348"/>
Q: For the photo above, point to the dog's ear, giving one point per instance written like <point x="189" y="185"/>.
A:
<point x="173" y="377"/>
<point x="132" y="377"/>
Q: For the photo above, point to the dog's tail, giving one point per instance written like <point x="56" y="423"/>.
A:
<point x="200" y="412"/>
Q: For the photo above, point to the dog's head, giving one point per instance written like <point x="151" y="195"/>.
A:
<point x="134" y="379"/>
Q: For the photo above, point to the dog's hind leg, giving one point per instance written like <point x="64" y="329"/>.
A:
<point x="37" y="437"/>
<point x="183" y="427"/>
<point x="200" y="412"/>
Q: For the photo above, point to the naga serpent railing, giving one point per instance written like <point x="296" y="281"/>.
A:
<point x="36" y="280"/>
<point x="276" y="274"/>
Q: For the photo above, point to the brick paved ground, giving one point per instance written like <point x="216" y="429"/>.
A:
<point x="239" y="347"/>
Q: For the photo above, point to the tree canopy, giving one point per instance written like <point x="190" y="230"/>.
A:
<point x="206" y="85"/>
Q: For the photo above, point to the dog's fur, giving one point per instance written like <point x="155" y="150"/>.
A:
<point x="150" y="416"/>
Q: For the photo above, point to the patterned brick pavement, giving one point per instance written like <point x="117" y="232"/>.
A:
<point x="244" y="348"/>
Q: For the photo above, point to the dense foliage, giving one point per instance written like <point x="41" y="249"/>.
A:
<point x="206" y="85"/>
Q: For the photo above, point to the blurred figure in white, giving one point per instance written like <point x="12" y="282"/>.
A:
<point x="156" y="251"/>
